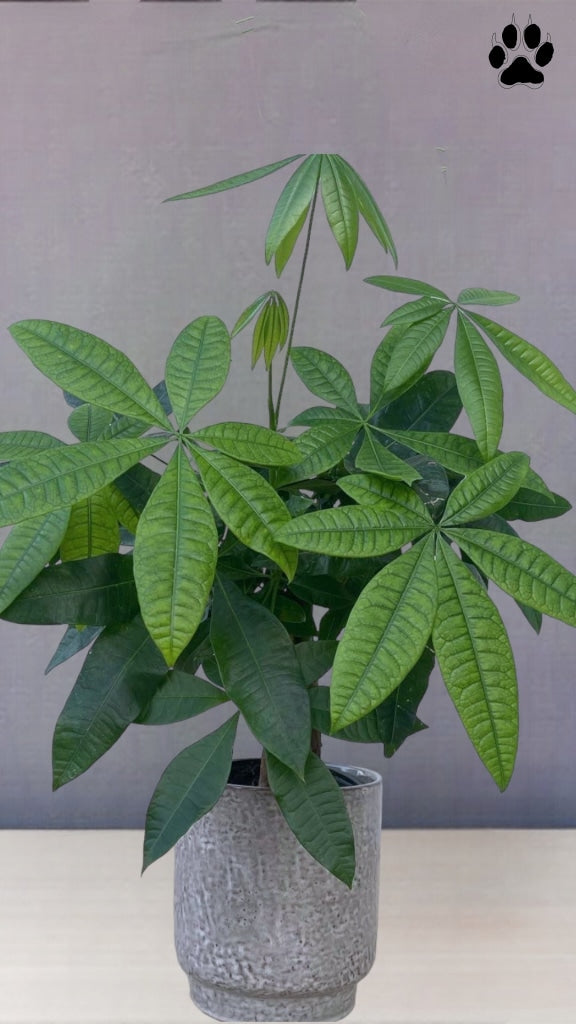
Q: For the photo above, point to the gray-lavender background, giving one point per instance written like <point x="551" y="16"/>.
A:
<point x="109" y="107"/>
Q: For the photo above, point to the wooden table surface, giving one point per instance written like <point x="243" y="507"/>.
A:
<point x="477" y="927"/>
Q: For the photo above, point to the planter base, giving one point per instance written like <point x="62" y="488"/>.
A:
<point x="229" y="1005"/>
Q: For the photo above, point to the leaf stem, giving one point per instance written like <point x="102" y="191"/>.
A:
<point x="297" y="302"/>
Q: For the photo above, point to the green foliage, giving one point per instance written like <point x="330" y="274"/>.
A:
<point x="362" y="548"/>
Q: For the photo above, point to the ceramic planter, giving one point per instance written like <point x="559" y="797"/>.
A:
<point x="263" y="932"/>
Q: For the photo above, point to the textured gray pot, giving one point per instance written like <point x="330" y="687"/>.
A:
<point x="263" y="932"/>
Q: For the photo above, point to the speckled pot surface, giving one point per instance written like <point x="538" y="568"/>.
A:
<point x="263" y="932"/>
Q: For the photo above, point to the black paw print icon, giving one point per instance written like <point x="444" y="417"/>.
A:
<point x="521" y="70"/>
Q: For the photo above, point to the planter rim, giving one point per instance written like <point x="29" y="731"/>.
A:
<point x="364" y="776"/>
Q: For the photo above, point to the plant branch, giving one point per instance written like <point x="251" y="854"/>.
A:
<point x="296" y="303"/>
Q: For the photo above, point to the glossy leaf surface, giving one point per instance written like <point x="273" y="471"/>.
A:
<point x="486" y="489"/>
<point x="236" y="180"/>
<point x="375" y="457"/>
<point x="250" y="443"/>
<point x="415" y="348"/>
<point x="368" y="207"/>
<point x="407" y="285"/>
<point x="486" y="297"/>
<point x="340" y="206"/>
<point x="480" y="386"/>
<point x="293" y="201"/>
<point x="197" y="367"/>
<point x="354" y="531"/>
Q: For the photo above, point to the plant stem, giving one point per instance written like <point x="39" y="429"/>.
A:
<point x="272" y="421"/>
<point x="296" y="304"/>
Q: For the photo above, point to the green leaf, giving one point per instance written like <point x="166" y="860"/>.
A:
<point x="175" y="557"/>
<point x="374" y="457"/>
<point x="386" y="494"/>
<point x="249" y="313"/>
<point x="340" y="206"/>
<point x="486" y="489"/>
<point x="356" y="531"/>
<point x="432" y="403"/>
<point x="58" y="478"/>
<point x="325" y="377"/>
<point x="295" y="197"/>
<point x="415" y="348"/>
<point x="522" y="570"/>
<point x="261" y="674"/>
<point x="407" y="285"/>
<point x="17" y="444"/>
<point x="118" y="678"/>
<point x="93" y="528"/>
<point x="531" y="506"/>
<point x="368" y="207"/>
<point x="496" y="522"/>
<point x="271" y="330"/>
<point x="75" y="639"/>
<point x="322" y="590"/>
<point x="321" y="448"/>
<point x="136" y="485"/>
<point x="412" y="312"/>
<point x="189" y="787"/>
<point x="90" y="368"/>
<point x="285" y="248"/>
<point x="323" y="414"/>
<point x="386" y="633"/>
<point x="380" y="392"/>
<point x="316" y="813"/>
<point x="236" y="180"/>
<point x="248" y="505"/>
<point x="480" y="386"/>
<point x="92" y="591"/>
<point x="250" y="443"/>
<point x="26" y="550"/>
<point x="179" y="697"/>
<point x="197" y="367"/>
<point x="88" y="422"/>
<point x="477" y="664"/>
<point x="485" y="297"/>
<point x="529" y="361"/>
<point x="122" y="508"/>
<point x="315" y="658"/>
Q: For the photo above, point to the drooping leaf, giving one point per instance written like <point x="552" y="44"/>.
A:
<point x="480" y="386"/>
<point x="236" y="180"/>
<point x="321" y="448"/>
<point x="26" y="550"/>
<point x="368" y="207"/>
<point x="374" y="457"/>
<point x="477" y="664"/>
<point x="386" y="633"/>
<point x="412" y="312"/>
<point x="75" y="639"/>
<point x="250" y="443"/>
<point x="271" y="330"/>
<point x="17" y="444"/>
<point x="295" y="197"/>
<point x="315" y="810"/>
<point x="407" y="285"/>
<point x="340" y="206"/>
<point x="325" y="377"/>
<point x="486" y="489"/>
<point x="249" y="313"/>
<point x="119" y="676"/>
<point x="522" y="570"/>
<point x="92" y="591"/>
<point x="261" y="674"/>
<point x="175" y="557"/>
<point x="90" y="368"/>
<point x="414" y="350"/>
<point x="197" y="367"/>
<point x="529" y="361"/>
<point x="248" y="505"/>
<point x="92" y="529"/>
<point x="179" y="697"/>
<point x="188" y="788"/>
<point x="485" y="297"/>
<point x="285" y="248"/>
<point x="59" y="477"/>
<point x="355" y="531"/>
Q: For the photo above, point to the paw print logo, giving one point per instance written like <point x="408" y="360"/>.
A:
<point x="521" y="70"/>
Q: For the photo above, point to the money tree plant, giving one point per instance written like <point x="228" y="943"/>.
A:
<point x="361" y="538"/>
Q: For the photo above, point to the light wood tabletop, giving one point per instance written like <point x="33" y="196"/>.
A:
<point x="477" y="927"/>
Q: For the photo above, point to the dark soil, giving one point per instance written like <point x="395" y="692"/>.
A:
<point x="246" y="771"/>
